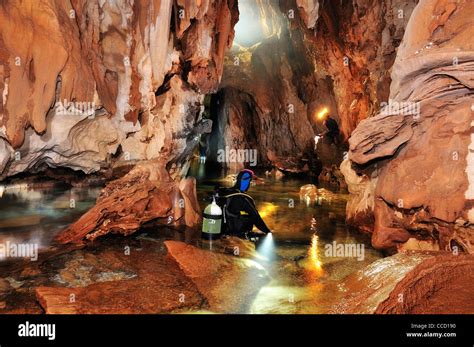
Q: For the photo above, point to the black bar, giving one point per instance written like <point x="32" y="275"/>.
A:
<point x="305" y="330"/>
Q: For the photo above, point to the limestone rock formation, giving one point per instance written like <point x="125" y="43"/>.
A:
<point x="417" y="151"/>
<point x="352" y="44"/>
<point x="319" y="54"/>
<point x="359" y="208"/>
<point x="146" y="194"/>
<point x="91" y="84"/>
<point x="417" y="282"/>
<point x="222" y="279"/>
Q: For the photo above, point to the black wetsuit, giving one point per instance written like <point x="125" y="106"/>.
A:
<point x="333" y="129"/>
<point x="240" y="213"/>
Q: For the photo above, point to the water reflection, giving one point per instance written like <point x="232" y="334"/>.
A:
<point x="316" y="265"/>
<point x="302" y="275"/>
<point x="35" y="215"/>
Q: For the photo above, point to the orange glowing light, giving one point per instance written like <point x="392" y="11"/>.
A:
<point x="314" y="258"/>
<point x="267" y="209"/>
<point x="323" y="113"/>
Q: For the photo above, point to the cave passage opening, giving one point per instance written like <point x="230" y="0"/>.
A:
<point x="269" y="99"/>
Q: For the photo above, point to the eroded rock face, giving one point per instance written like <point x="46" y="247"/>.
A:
<point x="411" y="283"/>
<point x="222" y="279"/>
<point x="323" y="54"/>
<point x="360" y="206"/>
<point x="417" y="151"/>
<point x="353" y="44"/>
<point x="84" y="80"/>
<point x="146" y="194"/>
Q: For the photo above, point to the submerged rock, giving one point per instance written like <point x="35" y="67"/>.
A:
<point x="309" y="194"/>
<point x="112" y="282"/>
<point x="145" y="194"/>
<point x="411" y="282"/>
<point x="228" y="282"/>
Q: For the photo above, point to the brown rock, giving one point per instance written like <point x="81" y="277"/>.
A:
<point x="309" y="193"/>
<point x="353" y="45"/>
<point x="417" y="153"/>
<point x="229" y="283"/>
<point x="143" y="195"/>
<point x="367" y="288"/>
<point x="411" y="283"/>
<point x="131" y="91"/>
<point x="440" y="285"/>
<point x="158" y="285"/>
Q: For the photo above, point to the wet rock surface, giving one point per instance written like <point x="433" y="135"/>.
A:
<point x="143" y="273"/>
<point x="143" y="72"/>
<point x="222" y="279"/>
<point x="146" y="194"/>
<point x="411" y="283"/>
<point x="145" y="282"/>
<point x="439" y="285"/>
<point x="416" y="153"/>
<point x="132" y="275"/>
<point x="367" y="288"/>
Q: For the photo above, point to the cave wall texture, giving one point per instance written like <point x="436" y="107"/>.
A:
<point x="414" y="159"/>
<point x="91" y="84"/>
<point x="145" y="66"/>
<point x="337" y="54"/>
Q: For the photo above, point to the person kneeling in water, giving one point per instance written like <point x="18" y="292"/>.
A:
<point x="239" y="210"/>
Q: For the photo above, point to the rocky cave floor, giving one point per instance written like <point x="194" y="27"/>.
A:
<point x="171" y="271"/>
<point x="144" y="273"/>
<point x="161" y="269"/>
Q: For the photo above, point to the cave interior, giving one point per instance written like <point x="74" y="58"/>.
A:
<point x="120" y="120"/>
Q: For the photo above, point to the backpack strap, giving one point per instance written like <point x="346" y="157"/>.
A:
<point x="241" y="194"/>
<point x="225" y="207"/>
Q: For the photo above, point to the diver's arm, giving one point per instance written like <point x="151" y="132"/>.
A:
<point x="257" y="220"/>
<point x="260" y="224"/>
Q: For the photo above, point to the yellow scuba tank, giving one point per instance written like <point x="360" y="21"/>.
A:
<point x="212" y="221"/>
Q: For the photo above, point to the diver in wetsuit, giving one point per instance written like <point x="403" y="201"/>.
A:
<point x="240" y="212"/>
<point x="332" y="130"/>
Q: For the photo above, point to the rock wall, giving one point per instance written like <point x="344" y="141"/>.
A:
<point x="353" y="45"/>
<point x="416" y="154"/>
<point x="417" y="283"/>
<point x="94" y="84"/>
<point x="330" y="54"/>
<point x="265" y="92"/>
